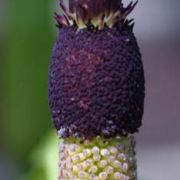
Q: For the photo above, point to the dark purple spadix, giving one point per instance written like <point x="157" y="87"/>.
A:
<point x="96" y="77"/>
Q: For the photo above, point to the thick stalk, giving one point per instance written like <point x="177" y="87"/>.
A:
<point x="98" y="159"/>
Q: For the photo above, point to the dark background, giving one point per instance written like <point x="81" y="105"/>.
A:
<point x="28" y="144"/>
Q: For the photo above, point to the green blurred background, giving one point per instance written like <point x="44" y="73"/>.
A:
<point x="28" y="142"/>
<point x="27" y="32"/>
<point x="27" y="47"/>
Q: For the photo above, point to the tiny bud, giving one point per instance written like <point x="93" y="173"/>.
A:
<point x="72" y="149"/>
<point x="95" y="178"/>
<point x="117" y="164"/>
<point x="83" y="175"/>
<point x="103" y="163"/>
<point x="79" y="166"/>
<point x="93" y="169"/>
<point x="85" y="165"/>
<point x="90" y="162"/>
<point x="75" y="169"/>
<point x="96" y="157"/>
<point x="119" y="176"/>
<point x="125" y="167"/>
<point x="95" y="150"/>
<point x="109" y="170"/>
<point x="75" y="159"/>
<point x="103" y="176"/>
<point x="87" y="152"/>
<point x="111" y="159"/>
<point x="65" y="173"/>
<point x="104" y="152"/>
<point x="121" y="156"/>
<point x="81" y="156"/>
<point x="126" y="178"/>
<point x="113" y="150"/>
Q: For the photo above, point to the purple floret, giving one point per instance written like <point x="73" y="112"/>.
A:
<point x="96" y="83"/>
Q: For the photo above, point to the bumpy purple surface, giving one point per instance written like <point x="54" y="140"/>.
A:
<point x="96" y="83"/>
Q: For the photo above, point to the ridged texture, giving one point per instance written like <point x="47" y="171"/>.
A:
<point x="96" y="82"/>
<point x="99" y="159"/>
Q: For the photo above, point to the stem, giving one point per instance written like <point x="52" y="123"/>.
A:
<point x="97" y="159"/>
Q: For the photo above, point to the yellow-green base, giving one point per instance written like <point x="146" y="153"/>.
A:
<point x="98" y="159"/>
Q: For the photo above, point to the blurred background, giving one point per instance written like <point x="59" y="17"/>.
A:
<point x="28" y="143"/>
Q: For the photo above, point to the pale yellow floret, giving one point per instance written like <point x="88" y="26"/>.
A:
<point x="99" y="159"/>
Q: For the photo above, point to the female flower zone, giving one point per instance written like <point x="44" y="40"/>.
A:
<point x="96" y="90"/>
